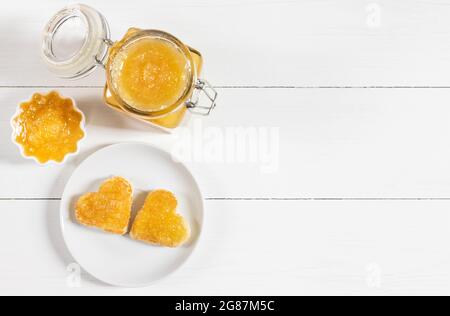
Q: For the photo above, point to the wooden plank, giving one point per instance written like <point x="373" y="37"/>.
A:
<point x="262" y="42"/>
<point x="332" y="144"/>
<point x="258" y="248"/>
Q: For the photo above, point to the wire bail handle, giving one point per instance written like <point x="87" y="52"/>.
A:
<point x="204" y="98"/>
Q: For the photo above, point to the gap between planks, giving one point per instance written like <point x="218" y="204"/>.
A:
<point x="266" y="199"/>
<point x="374" y="87"/>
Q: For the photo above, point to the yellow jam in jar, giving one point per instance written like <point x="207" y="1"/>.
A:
<point x="150" y="74"/>
<point x="48" y="127"/>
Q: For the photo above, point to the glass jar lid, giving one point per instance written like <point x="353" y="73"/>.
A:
<point x="75" y="42"/>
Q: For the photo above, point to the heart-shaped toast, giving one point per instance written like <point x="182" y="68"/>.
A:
<point x="158" y="223"/>
<point x="109" y="209"/>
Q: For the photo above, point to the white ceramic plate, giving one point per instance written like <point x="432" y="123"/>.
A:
<point x="119" y="260"/>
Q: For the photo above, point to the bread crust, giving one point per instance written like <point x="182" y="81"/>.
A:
<point x="158" y="223"/>
<point x="109" y="209"/>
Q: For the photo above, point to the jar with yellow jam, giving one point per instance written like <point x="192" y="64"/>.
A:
<point x="150" y="74"/>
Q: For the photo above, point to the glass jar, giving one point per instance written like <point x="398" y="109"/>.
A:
<point x="150" y="74"/>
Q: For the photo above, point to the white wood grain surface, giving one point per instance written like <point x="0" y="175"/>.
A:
<point x="263" y="42"/>
<point x="359" y="92"/>
<point x="259" y="248"/>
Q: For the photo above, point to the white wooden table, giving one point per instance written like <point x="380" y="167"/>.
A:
<point x="360" y="94"/>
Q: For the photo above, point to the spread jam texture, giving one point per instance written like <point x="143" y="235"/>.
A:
<point x="48" y="127"/>
<point x="158" y="222"/>
<point x="150" y="74"/>
<point x="109" y="209"/>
